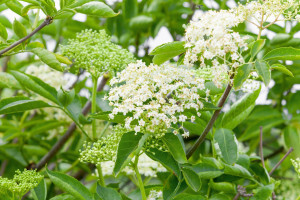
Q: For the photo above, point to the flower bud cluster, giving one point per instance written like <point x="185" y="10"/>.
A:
<point x="155" y="96"/>
<point x="105" y="149"/>
<point x="20" y="184"/>
<point x="94" y="52"/>
<point x="296" y="164"/>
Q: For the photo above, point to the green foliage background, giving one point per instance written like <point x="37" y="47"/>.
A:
<point x="25" y="138"/>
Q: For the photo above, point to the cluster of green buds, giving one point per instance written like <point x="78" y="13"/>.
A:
<point x="105" y="149"/>
<point x="21" y="183"/>
<point x="296" y="164"/>
<point x="94" y="52"/>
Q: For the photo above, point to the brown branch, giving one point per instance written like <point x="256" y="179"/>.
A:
<point x="47" y="21"/>
<point x="261" y="147"/>
<point x="282" y="159"/>
<point x="210" y="123"/>
<point x="60" y="143"/>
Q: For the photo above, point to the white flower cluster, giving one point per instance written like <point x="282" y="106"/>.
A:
<point x="146" y="166"/>
<point x="210" y="40"/>
<point x="268" y="10"/>
<point x="155" y="96"/>
<point x="155" y="195"/>
<point x="296" y="164"/>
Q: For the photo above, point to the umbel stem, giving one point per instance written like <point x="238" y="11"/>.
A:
<point x="94" y="106"/>
<point x="47" y="21"/>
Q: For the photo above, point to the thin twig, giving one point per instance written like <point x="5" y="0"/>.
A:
<point x="261" y="148"/>
<point x="47" y="21"/>
<point x="60" y="143"/>
<point x="282" y="159"/>
<point x="210" y="123"/>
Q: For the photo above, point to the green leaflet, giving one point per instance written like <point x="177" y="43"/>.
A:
<point x="107" y="193"/>
<point x="263" y="70"/>
<point x="240" y="110"/>
<point x="175" y="147"/>
<point x="257" y="46"/>
<point x="70" y="185"/>
<point x="40" y="192"/>
<point x="20" y="104"/>
<point x="167" y="51"/>
<point x="128" y="144"/>
<point x="165" y="158"/>
<point x="283" y="53"/>
<point x="191" y="178"/>
<point x="227" y="143"/>
<point x="95" y="8"/>
<point x="241" y="75"/>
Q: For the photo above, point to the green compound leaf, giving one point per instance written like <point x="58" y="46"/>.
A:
<point x="283" y="53"/>
<point x="108" y="193"/>
<point x="261" y="173"/>
<point x="241" y="75"/>
<point x="7" y="80"/>
<point x="3" y="32"/>
<point x="70" y="185"/>
<point x="191" y="178"/>
<point x="140" y="23"/>
<point x="98" y="9"/>
<point x="167" y="51"/>
<point x="223" y="187"/>
<point x="240" y="110"/>
<point x="263" y="193"/>
<point x="282" y="69"/>
<point x="36" y="85"/>
<point x="128" y="143"/>
<point x="48" y="58"/>
<point x="187" y="196"/>
<point x="40" y="192"/>
<point x="19" y="29"/>
<point x="220" y="197"/>
<point x="257" y="46"/>
<point x="165" y="158"/>
<point x="263" y="69"/>
<point x="228" y="145"/>
<point x="207" y="171"/>
<point x="20" y="104"/>
<point x="237" y="170"/>
<point x="175" y="147"/>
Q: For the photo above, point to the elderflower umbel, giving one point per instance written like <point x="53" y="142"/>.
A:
<point x="296" y="164"/>
<point x="155" y="96"/>
<point x="268" y="10"/>
<point x="209" y="39"/>
<point x="20" y="184"/>
<point x="155" y="195"/>
<point x="94" y="52"/>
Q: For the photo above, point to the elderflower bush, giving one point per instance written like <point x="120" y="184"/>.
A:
<point x="182" y="124"/>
